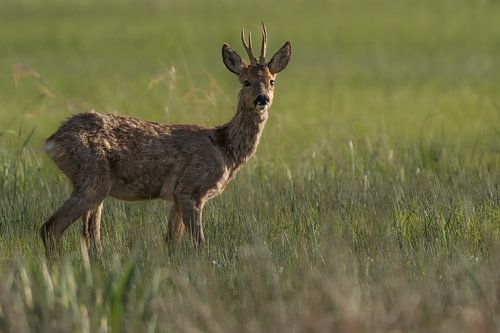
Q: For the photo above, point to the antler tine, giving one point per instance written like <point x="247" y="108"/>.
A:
<point x="262" y="59"/>
<point x="248" y="47"/>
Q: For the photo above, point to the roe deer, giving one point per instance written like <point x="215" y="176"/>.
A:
<point x="132" y="159"/>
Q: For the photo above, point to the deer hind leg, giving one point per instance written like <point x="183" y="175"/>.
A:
<point x="85" y="196"/>
<point x="92" y="228"/>
<point x="192" y="218"/>
<point x="175" y="227"/>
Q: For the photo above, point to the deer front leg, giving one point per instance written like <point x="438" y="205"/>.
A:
<point x="175" y="227"/>
<point x="92" y="229"/>
<point x="192" y="218"/>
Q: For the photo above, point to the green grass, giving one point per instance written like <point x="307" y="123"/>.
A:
<point x="373" y="203"/>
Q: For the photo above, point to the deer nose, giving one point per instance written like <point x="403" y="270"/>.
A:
<point x="261" y="100"/>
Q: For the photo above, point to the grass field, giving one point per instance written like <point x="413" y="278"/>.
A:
<point x="372" y="205"/>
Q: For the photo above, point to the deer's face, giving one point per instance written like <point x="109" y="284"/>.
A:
<point x="258" y="77"/>
<point x="257" y="87"/>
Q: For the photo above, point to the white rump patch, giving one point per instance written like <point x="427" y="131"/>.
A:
<point x="51" y="149"/>
<point x="48" y="146"/>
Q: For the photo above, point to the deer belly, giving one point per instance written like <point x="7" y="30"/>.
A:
<point x="140" y="188"/>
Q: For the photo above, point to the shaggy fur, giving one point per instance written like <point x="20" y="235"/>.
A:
<point x="132" y="159"/>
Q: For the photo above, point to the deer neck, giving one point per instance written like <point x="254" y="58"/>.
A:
<point x="241" y="135"/>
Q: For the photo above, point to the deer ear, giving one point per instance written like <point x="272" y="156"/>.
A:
<point x="231" y="59"/>
<point x="280" y="59"/>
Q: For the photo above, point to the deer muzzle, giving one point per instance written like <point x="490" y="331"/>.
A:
<point x="261" y="102"/>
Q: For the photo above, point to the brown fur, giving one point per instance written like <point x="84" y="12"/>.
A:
<point x="132" y="159"/>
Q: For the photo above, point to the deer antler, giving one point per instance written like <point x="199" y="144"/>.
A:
<point x="262" y="59"/>
<point x="248" y="47"/>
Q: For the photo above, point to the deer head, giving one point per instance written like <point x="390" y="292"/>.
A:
<point x="258" y="77"/>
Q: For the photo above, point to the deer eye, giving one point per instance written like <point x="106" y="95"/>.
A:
<point x="272" y="83"/>
<point x="247" y="83"/>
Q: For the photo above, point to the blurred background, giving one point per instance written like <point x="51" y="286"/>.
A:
<point x="377" y="73"/>
<point x="372" y="204"/>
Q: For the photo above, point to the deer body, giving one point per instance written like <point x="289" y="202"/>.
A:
<point x="132" y="159"/>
